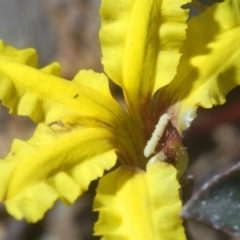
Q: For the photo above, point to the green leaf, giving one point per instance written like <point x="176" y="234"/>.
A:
<point x="218" y="202"/>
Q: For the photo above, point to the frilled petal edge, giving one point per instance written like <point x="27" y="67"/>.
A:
<point x="57" y="163"/>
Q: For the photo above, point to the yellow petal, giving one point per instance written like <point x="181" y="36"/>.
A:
<point x="210" y="66"/>
<point x="45" y="97"/>
<point x="85" y="101"/>
<point x="57" y="162"/>
<point x="139" y="205"/>
<point x="140" y="43"/>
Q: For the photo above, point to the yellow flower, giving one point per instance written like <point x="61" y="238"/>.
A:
<point x="82" y="129"/>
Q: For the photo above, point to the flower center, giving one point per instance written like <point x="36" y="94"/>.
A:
<point x="166" y="145"/>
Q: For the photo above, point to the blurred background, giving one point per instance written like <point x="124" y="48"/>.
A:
<point x="66" y="31"/>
